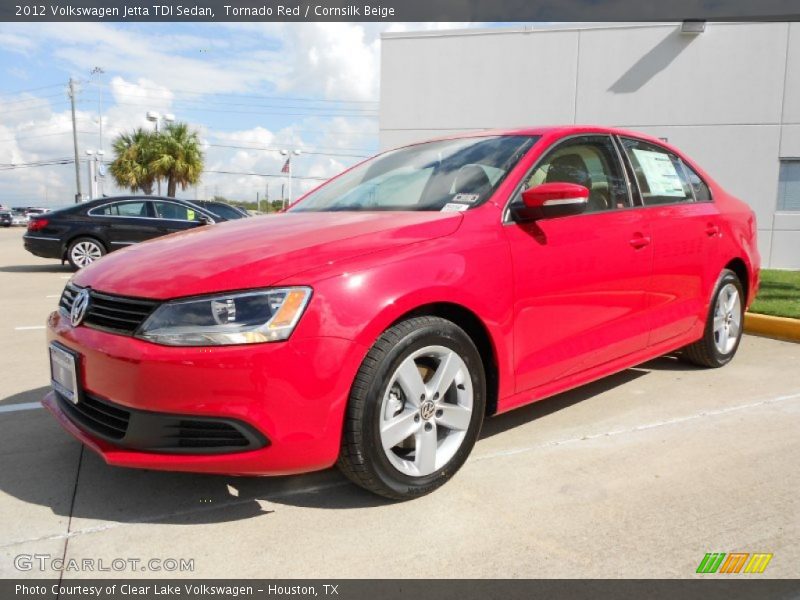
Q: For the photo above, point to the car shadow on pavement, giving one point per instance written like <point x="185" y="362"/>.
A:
<point x="50" y="268"/>
<point x="42" y="453"/>
<point x="34" y="395"/>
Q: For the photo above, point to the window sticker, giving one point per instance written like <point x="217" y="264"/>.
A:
<point x="468" y="198"/>
<point x="662" y="177"/>
<point x="454" y="207"/>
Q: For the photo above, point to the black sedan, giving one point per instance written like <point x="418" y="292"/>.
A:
<point x="6" y="219"/>
<point x="83" y="233"/>
<point x="226" y="211"/>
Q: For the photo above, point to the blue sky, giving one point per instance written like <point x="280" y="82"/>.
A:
<point x="255" y="86"/>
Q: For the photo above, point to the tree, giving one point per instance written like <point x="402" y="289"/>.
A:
<point x="177" y="157"/>
<point x="131" y="166"/>
<point x="144" y="157"/>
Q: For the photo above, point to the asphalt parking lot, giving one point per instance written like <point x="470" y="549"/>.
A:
<point x="638" y="475"/>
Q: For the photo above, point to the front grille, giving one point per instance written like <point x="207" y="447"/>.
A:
<point x="117" y="314"/>
<point x="101" y="418"/>
<point x="160" y="432"/>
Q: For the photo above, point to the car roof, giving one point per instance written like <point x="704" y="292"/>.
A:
<point x="552" y="130"/>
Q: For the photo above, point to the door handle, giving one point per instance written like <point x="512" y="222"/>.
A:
<point x="639" y="241"/>
<point x="712" y="230"/>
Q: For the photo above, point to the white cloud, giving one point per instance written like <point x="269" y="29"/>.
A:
<point x="149" y="70"/>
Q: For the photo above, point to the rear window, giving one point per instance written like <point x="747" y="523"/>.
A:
<point x="701" y="191"/>
<point x="122" y="209"/>
<point x="659" y="173"/>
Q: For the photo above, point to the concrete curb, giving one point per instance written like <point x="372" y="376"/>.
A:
<point x="781" y="328"/>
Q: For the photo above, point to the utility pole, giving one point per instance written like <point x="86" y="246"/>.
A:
<point x="258" y="202"/>
<point x="78" y="195"/>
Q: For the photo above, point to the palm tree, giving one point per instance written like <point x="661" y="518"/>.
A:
<point x="178" y="157"/>
<point x="131" y="167"/>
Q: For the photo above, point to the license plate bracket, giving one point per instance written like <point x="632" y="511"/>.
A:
<point x="64" y="372"/>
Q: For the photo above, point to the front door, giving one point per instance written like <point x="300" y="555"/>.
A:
<point x="579" y="280"/>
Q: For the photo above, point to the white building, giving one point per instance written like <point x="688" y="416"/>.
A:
<point x="729" y="97"/>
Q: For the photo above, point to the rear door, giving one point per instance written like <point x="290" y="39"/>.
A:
<point x="579" y="280"/>
<point x="686" y="232"/>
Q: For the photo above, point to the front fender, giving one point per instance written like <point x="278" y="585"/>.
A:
<point x="364" y="300"/>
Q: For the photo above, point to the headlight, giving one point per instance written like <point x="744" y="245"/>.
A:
<point x="236" y="318"/>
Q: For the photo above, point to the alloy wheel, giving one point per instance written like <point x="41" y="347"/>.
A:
<point x="426" y="410"/>
<point x="85" y="253"/>
<point x="727" y="319"/>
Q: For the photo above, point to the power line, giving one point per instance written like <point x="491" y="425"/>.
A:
<point x="259" y="96"/>
<point x="253" y="112"/>
<point x="317" y="152"/>
<point x="23" y="100"/>
<point x="41" y="135"/>
<point x="280" y="103"/>
<point x="278" y="175"/>
<point x="44" y="87"/>
<point x="69" y="161"/>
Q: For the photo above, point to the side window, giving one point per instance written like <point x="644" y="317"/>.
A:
<point x="123" y="209"/>
<point x="174" y="212"/>
<point x="590" y="161"/>
<point x="659" y="173"/>
<point x="701" y="191"/>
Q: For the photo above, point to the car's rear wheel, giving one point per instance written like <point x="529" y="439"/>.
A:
<point x="83" y="251"/>
<point x="415" y="409"/>
<point x="724" y="325"/>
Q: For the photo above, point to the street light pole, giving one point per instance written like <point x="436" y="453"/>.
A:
<point x="95" y="156"/>
<point x="90" y="165"/>
<point x="99" y="72"/>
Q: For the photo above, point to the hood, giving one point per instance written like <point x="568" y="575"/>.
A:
<point x="256" y="252"/>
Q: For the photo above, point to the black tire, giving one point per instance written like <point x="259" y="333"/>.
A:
<point x="362" y="458"/>
<point x="704" y="352"/>
<point x="86" y="240"/>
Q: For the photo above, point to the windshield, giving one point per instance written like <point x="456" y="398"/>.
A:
<point x="443" y="175"/>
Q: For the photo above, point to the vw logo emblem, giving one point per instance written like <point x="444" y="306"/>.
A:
<point x="79" y="306"/>
<point x="427" y="409"/>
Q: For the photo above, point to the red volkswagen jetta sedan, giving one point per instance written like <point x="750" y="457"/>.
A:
<point x="388" y="312"/>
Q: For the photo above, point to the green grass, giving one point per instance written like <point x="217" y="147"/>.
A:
<point x="779" y="294"/>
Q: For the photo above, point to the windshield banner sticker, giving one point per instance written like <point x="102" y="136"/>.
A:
<point x="454" y="207"/>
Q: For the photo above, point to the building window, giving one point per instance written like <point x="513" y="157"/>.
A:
<point x="789" y="185"/>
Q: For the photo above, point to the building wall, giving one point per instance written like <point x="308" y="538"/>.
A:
<point x="729" y="97"/>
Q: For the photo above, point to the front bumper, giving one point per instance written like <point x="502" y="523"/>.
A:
<point x="290" y="395"/>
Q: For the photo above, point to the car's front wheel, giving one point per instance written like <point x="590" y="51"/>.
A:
<point x="415" y="409"/>
<point x="84" y="251"/>
<point x="724" y="325"/>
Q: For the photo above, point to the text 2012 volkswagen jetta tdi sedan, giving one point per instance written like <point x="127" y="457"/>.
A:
<point x="389" y="311"/>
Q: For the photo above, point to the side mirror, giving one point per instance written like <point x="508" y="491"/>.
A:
<point x="550" y="200"/>
<point x="203" y="220"/>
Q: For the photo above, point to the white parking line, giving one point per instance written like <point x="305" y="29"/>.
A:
<point x="53" y="296"/>
<point x="20" y="406"/>
<point x="29" y="327"/>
